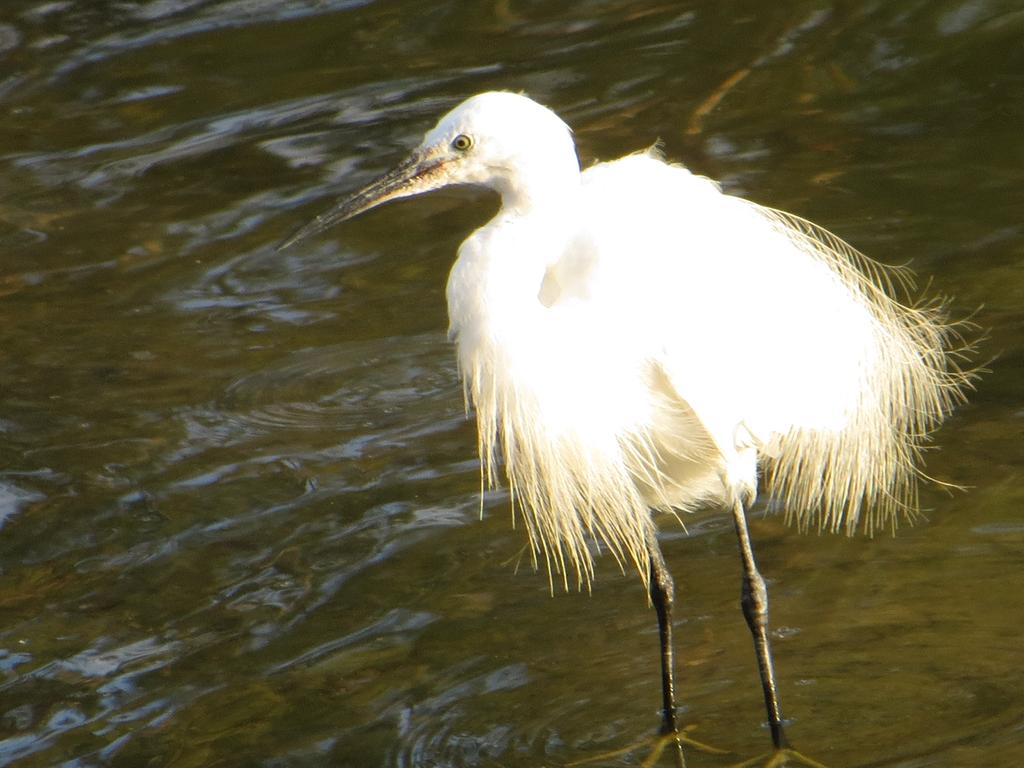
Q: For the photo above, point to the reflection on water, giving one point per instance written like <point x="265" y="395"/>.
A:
<point x="240" y="519"/>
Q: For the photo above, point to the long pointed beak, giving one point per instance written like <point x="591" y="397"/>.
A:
<point x="420" y="172"/>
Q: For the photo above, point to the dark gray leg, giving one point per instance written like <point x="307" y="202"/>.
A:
<point x="663" y="596"/>
<point x="754" y="600"/>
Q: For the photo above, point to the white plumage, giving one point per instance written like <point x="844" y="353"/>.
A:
<point x="632" y="339"/>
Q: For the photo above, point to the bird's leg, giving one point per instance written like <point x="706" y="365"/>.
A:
<point x="754" y="599"/>
<point x="663" y="592"/>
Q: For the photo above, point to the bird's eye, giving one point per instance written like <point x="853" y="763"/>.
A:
<point x="462" y="142"/>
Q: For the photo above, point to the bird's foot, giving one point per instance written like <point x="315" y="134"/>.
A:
<point x="780" y="758"/>
<point x="673" y="741"/>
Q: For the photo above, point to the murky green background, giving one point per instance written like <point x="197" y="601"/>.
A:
<point x="238" y="496"/>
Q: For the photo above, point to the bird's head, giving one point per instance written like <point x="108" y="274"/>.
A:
<point x="500" y="140"/>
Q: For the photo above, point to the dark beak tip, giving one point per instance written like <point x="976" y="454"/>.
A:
<point x="288" y="242"/>
<point x="391" y="185"/>
<point x="304" y="232"/>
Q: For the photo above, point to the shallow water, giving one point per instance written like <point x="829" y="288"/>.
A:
<point x="238" y="494"/>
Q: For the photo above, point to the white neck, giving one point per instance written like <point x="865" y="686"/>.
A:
<point x="543" y="183"/>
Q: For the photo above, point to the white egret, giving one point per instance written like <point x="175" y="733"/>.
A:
<point x="632" y="340"/>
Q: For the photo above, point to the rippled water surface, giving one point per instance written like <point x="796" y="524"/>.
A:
<point x="238" y="493"/>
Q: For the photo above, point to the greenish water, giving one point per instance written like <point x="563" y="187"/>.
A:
<point x="238" y="494"/>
